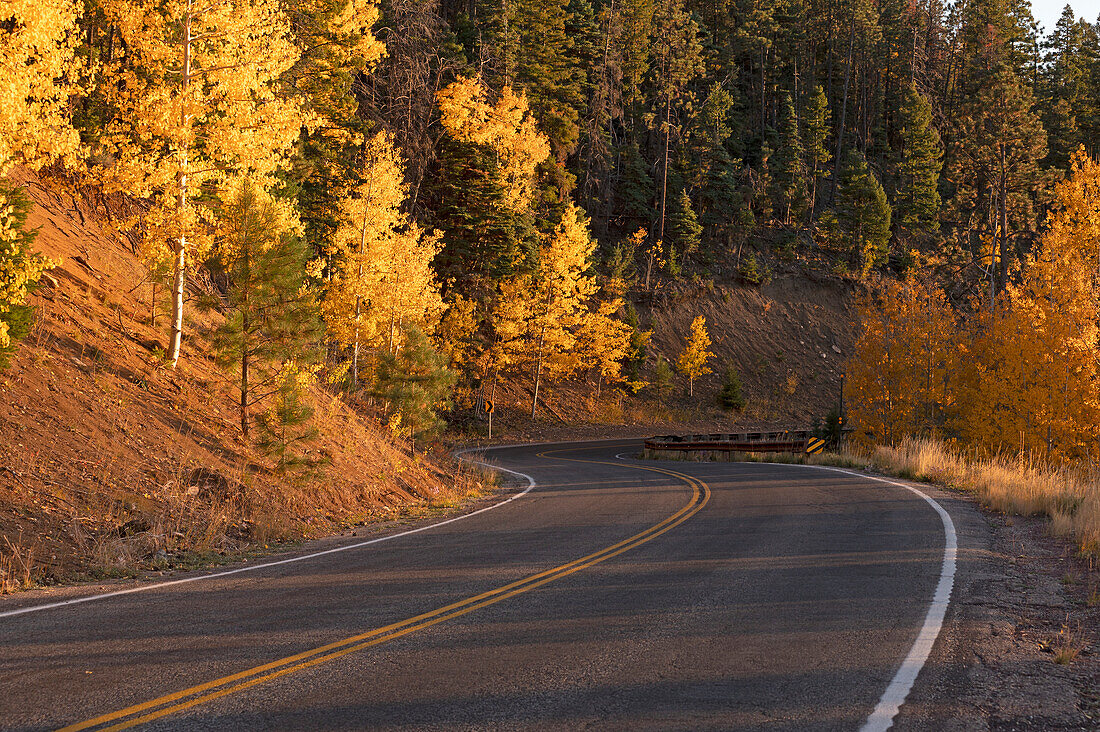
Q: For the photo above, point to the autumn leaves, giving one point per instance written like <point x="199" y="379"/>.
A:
<point x="1021" y="374"/>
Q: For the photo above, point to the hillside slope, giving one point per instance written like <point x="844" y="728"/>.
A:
<point x="110" y="462"/>
<point x="787" y="339"/>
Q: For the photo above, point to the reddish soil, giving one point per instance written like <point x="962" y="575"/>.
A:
<point x="110" y="462"/>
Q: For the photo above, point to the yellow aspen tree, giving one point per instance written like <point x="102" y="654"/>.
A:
<point x="900" y="378"/>
<point x="382" y="278"/>
<point x="37" y="40"/>
<point x="196" y="102"/>
<point x="36" y="56"/>
<point x="605" y="341"/>
<point x="1032" y="384"/>
<point x="692" y="361"/>
<point x="507" y="127"/>
<point x="563" y="287"/>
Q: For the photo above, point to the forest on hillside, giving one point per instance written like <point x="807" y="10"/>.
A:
<point x="415" y="197"/>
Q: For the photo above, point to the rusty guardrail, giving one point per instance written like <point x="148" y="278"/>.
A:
<point x="800" y="440"/>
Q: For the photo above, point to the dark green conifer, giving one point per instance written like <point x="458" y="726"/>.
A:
<point x="863" y="213"/>
<point x="271" y="317"/>
<point x="15" y="253"/>
<point x="636" y="188"/>
<point x="730" y="396"/>
<point x="484" y="240"/>
<point x="662" y="378"/>
<point x="684" y="231"/>
<point x="286" y="427"/>
<point x="917" y="201"/>
<point x="787" y="168"/>
<point x="415" y="384"/>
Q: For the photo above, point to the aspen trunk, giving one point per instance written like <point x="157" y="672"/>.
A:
<point x="538" y="364"/>
<point x="179" y="247"/>
<point x="359" y="288"/>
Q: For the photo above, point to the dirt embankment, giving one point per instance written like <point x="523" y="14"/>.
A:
<point x="788" y="341"/>
<point x="110" y="462"/>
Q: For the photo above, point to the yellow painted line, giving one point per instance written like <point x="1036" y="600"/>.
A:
<point x="217" y="688"/>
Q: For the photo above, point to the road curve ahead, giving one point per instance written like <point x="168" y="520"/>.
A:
<point x="615" y="594"/>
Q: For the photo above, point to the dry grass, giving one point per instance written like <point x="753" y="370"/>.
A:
<point x="1068" y="645"/>
<point x="1066" y="494"/>
<point x="16" y="564"/>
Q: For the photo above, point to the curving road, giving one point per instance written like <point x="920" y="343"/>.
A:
<point x="615" y="594"/>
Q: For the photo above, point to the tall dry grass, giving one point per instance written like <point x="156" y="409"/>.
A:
<point x="1068" y="495"/>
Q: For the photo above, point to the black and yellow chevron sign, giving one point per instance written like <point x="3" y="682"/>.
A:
<point x="815" y="445"/>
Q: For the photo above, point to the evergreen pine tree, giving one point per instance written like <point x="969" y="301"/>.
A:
<point x="684" y="232"/>
<point x="730" y="397"/>
<point x="864" y="214"/>
<point x="20" y="268"/>
<point x="636" y="188"/>
<point x="1064" y="88"/>
<point x="534" y="53"/>
<point x="484" y="187"/>
<point x="662" y="378"/>
<point x="484" y="239"/>
<point x="271" y="317"/>
<point x="917" y="201"/>
<point x="762" y="187"/>
<point x="715" y="170"/>
<point x="415" y="383"/>
<point x="286" y="425"/>
<point x="993" y="162"/>
<point x="788" y="172"/>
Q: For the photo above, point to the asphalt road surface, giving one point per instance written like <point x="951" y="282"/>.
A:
<point x="614" y="594"/>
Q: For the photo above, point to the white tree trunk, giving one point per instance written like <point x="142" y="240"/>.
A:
<point x="179" y="247"/>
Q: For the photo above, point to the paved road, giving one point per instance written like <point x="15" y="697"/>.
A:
<point x="614" y="595"/>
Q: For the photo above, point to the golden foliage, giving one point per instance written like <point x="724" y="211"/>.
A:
<point x="906" y="356"/>
<point x="507" y="127"/>
<point x="692" y="361"/>
<point x="37" y="38"/>
<point x="174" y="133"/>
<point x="554" y="317"/>
<point x="1031" y="381"/>
<point x="382" y="276"/>
<point x="1023" y="376"/>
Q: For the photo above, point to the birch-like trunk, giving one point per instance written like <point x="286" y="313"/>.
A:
<point x="179" y="247"/>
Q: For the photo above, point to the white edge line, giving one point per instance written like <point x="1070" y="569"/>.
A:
<point x="253" y="567"/>
<point x="889" y="704"/>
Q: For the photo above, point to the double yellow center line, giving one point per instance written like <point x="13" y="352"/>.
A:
<point x="226" y="685"/>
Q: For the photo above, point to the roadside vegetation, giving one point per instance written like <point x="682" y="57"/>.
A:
<point x="1000" y="397"/>
<point x="1069" y="495"/>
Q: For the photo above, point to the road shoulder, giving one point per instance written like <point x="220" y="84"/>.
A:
<point x="1020" y="595"/>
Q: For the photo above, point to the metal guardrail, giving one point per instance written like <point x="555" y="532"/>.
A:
<point x="774" y="441"/>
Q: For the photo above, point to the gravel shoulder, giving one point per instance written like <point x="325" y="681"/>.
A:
<point x="1020" y="597"/>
